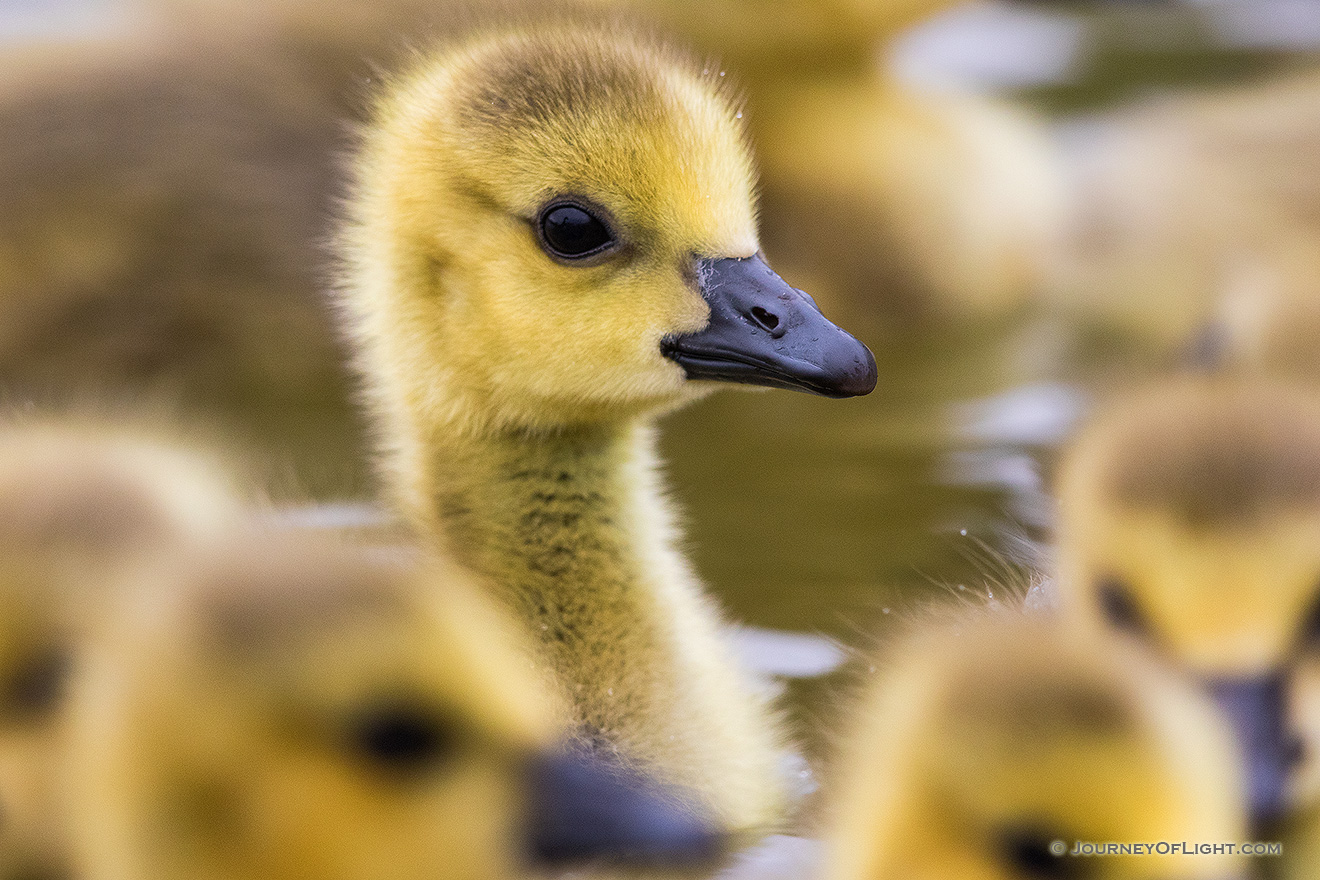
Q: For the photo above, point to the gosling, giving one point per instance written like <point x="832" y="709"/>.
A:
<point x="1190" y="522"/>
<point x="79" y="501"/>
<point x="290" y="707"/>
<point x="552" y="241"/>
<point x="992" y="744"/>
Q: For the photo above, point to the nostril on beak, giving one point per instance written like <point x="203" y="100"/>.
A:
<point x="767" y="321"/>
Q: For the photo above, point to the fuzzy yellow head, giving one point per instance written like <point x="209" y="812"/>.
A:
<point x="285" y="707"/>
<point x="991" y="744"/>
<point x="469" y="152"/>
<point x="242" y="729"/>
<point x="79" y="502"/>
<point x="537" y="211"/>
<point x="1190" y="521"/>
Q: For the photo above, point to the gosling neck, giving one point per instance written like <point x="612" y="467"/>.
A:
<point x="546" y="516"/>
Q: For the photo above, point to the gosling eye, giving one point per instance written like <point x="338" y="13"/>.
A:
<point x="1119" y="607"/>
<point x="35" y="687"/>
<point x="1311" y="624"/>
<point x="401" y="738"/>
<point x="573" y="233"/>
<point x="1033" y="854"/>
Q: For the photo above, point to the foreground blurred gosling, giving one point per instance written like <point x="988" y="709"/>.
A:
<point x="272" y="709"/>
<point x="1190" y="522"/>
<point x="78" y="502"/>
<point x="552" y="242"/>
<point x="988" y="739"/>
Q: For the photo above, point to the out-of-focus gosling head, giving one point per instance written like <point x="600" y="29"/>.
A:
<point x="1185" y="203"/>
<point x="289" y="707"/>
<point x="905" y="207"/>
<point x="769" y="41"/>
<point x="78" y="502"/>
<point x="991" y="740"/>
<point x="1190" y="521"/>
<point x="74" y="489"/>
<point x="554" y="224"/>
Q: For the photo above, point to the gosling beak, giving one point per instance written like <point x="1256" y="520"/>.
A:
<point x="586" y="810"/>
<point x="1255" y="708"/>
<point x="763" y="332"/>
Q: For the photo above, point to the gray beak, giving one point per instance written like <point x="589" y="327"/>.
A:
<point x="763" y="332"/>
<point x="1256" y="709"/>
<point x="587" y="810"/>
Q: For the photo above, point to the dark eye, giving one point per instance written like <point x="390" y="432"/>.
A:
<point x="1119" y="607"/>
<point x="1311" y="623"/>
<point x="1039" y="855"/>
<point x="401" y="738"/>
<point x="36" y="685"/>
<point x="571" y="232"/>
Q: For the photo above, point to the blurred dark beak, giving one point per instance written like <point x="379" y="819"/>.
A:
<point x="1256" y="709"/>
<point x="763" y="332"/>
<point x="585" y="810"/>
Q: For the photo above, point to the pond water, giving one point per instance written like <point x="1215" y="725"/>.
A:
<point x="832" y="517"/>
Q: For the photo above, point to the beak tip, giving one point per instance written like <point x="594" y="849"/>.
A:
<point x="858" y="378"/>
<point x="864" y="377"/>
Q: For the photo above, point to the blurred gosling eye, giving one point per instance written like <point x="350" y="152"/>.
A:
<point x="1311" y="624"/>
<point x="400" y="738"/>
<point x="35" y="687"/>
<point x="1033" y="854"/>
<point x="569" y="231"/>
<point x="1119" y="607"/>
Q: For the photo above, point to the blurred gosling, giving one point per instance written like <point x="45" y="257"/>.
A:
<point x="294" y="708"/>
<point x="901" y="206"/>
<point x="991" y="740"/>
<point x="553" y="241"/>
<point x="1190" y="523"/>
<point x="766" y="43"/>
<point x="1196" y="209"/>
<point x="166" y="195"/>
<point x="79" y="502"/>
<point x="906" y="207"/>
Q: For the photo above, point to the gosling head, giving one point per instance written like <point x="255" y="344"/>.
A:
<point x="991" y="745"/>
<point x="289" y="708"/>
<point x="1190" y="522"/>
<point x="78" y="502"/>
<point x="556" y="225"/>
